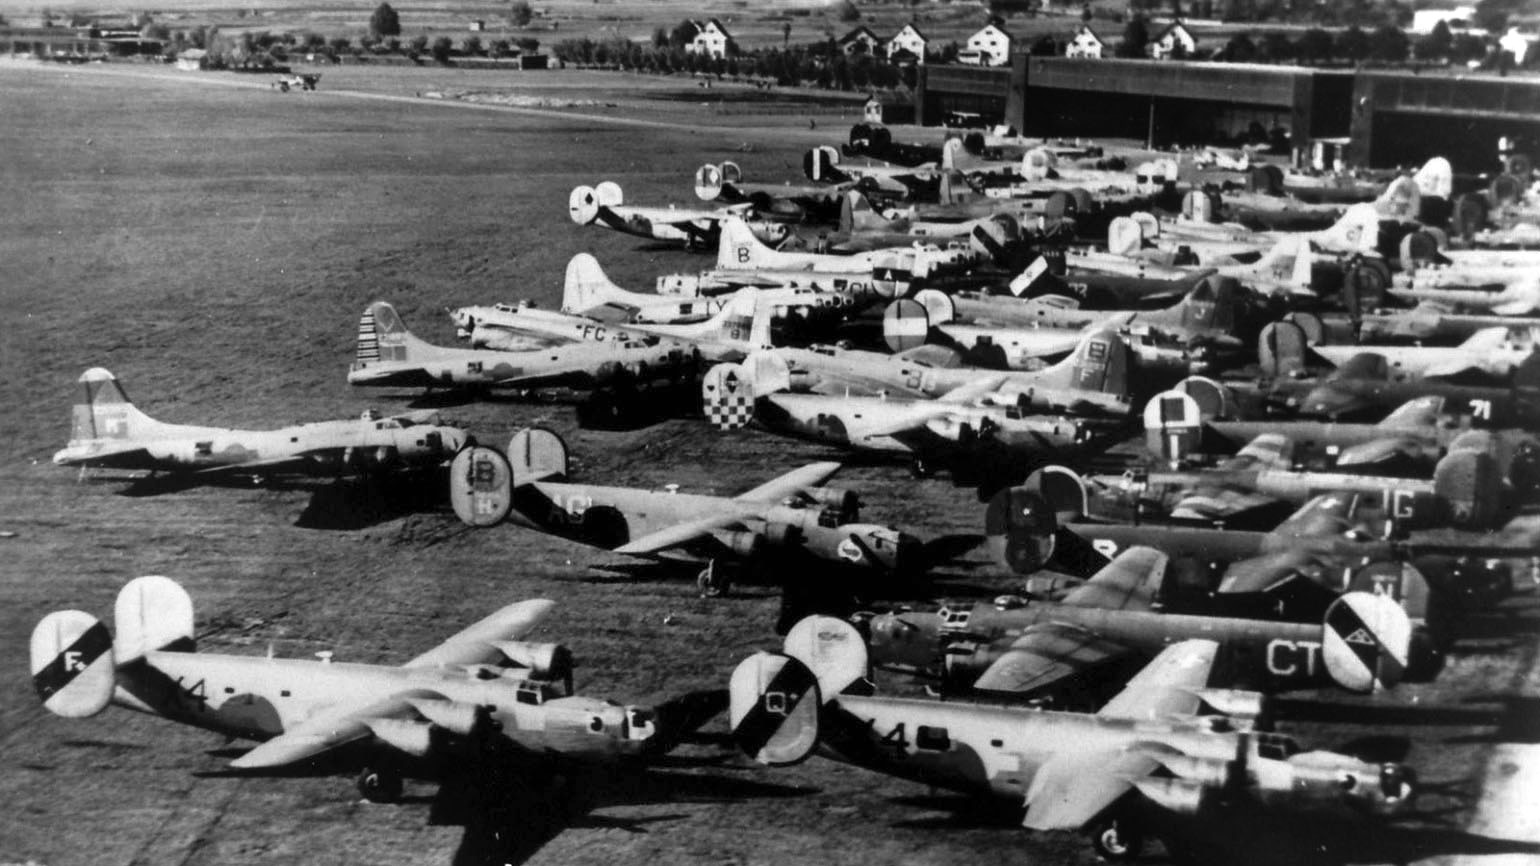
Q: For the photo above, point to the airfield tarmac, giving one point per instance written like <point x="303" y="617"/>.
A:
<point x="213" y="243"/>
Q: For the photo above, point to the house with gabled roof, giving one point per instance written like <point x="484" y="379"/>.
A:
<point x="712" y="40"/>
<point x="908" y="46"/>
<point x="1174" y="41"/>
<point x="990" y="46"/>
<point x="1085" y="43"/>
<point x="861" y="41"/>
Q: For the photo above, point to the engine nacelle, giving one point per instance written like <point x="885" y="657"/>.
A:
<point x="456" y="717"/>
<point x="413" y="738"/>
<point x="1235" y="703"/>
<point x="744" y="543"/>
<point x="844" y="500"/>
<point x="1177" y="795"/>
<point x="963" y="662"/>
<point x="545" y="661"/>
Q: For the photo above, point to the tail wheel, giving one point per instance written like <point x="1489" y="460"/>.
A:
<point x="1116" y="840"/>
<point x="379" y="786"/>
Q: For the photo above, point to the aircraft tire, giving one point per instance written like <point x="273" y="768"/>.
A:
<point x="712" y="582"/>
<point x="1116" y="841"/>
<point x="920" y="467"/>
<point x="379" y="786"/>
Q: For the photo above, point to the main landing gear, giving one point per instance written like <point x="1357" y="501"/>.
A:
<point x="713" y="580"/>
<point x="379" y="786"/>
<point x="1116" y="840"/>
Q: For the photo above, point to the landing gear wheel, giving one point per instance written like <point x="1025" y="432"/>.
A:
<point x="1116" y="841"/>
<point x="921" y="467"/>
<point x="379" y="786"/>
<point x="712" y="581"/>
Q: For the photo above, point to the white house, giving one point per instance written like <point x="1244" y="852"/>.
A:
<point x="711" y="39"/>
<point x="192" y="59"/>
<point x="1085" y="44"/>
<point x="1174" y="40"/>
<point x="1521" y="43"/>
<point x="860" y="41"/>
<point x="1457" y="19"/>
<point x="990" y="46"/>
<point x="909" y="39"/>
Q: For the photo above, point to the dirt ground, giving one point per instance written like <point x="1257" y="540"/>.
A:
<point x="213" y="242"/>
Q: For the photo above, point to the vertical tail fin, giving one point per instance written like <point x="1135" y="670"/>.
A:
<point x="735" y="322"/>
<point x="382" y="336"/>
<point x="104" y="410"/>
<point x="1099" y="363"/>
<point x="738" y="248"/>
<point x="587" y="286"/>
<point x="73" y="668"/>
<point x="727" y="396"/>
<point x="152" y="613"/>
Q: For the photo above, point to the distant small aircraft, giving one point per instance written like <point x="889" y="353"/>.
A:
<point x="110" y="433"/>
<point x="789" y="516"/>
<point x="453" y="706"/>
<point x="980" y="436"/>
<point x="1119" y="775"/>
<point x="390" y="356"/>
<point x="1495" y="352"/>
<point x="590" y="293"/>
<point x="892" y="271"/>
<point x="796" y="204"/>
<point x="1027" y="649"/>
<point x="739" y="326"/>
<point x="696" y="228"/>
<point x="1092" y="381"/>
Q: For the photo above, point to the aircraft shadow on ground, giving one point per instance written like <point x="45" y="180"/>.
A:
<point x="349" y="504"/>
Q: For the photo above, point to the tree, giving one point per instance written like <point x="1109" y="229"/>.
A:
<point x="527" y="44"/>
<point x="1389" y="44"/>
<point x="1437" y="43"/>
<point x="1085" y="13"/>
<point x="470" y="46"/>
<point x="848" y="12"/>
<point x="442" y="48"/>
<point x="385" y="21"/>
<point x="1314" y="46"/>
<point x="786" y="36"/>
<point x="1136" y="37"/>
<point x="1240" y="49"/>
<point x="520" y="13"/>
<point x="659" y="38"/>
<point x="340" y="44"/>
<point x="1275" y="47"/>
<point x="683" y="34"/>
<point x="1492" y="15"/>
<point x="418" y="45"/>
<point x="1352" y="44"/>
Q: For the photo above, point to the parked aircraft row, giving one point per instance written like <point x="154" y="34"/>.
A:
<point x="995" y="311"/>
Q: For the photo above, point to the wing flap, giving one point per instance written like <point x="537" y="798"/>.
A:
<point x="476" y="644"/>
<point x="681" y="533"/>
<point x="1168" y="686"/>
<point x="1074" y="787"/>
<point x="326" y="730"/>
<point x="792" y="482"/>
<point x="1045" y="655"/>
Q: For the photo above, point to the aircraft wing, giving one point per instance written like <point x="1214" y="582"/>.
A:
<point x="1167" y="686"/>
<point x="1047" y="654"/>
<point x="332" y="727"/>
<point x="1270" y="572"/>
<point x="1074" y="787"/>
<point x="268" y="466"/>
<point x="476" y="643"/>
<point x="974" y="389"/>
<point x="683" y="533"/>
<point x="1327" y="514"/>
<point x="791" y="483"/>
<point x="1129" y="582"/>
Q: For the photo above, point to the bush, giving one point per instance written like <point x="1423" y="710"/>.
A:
<point x="442" y="48"/>
<point x="499" y="48"/>
<point x="527" y="44"/>
<point x="385" y="21"/>
<point x="419" y="44"/>
<point x="520" y="13"/>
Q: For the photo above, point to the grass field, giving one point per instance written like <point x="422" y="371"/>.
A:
<point x="213" y="242"/>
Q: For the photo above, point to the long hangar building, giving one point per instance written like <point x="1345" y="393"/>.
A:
<point x="1384" y="118"/>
